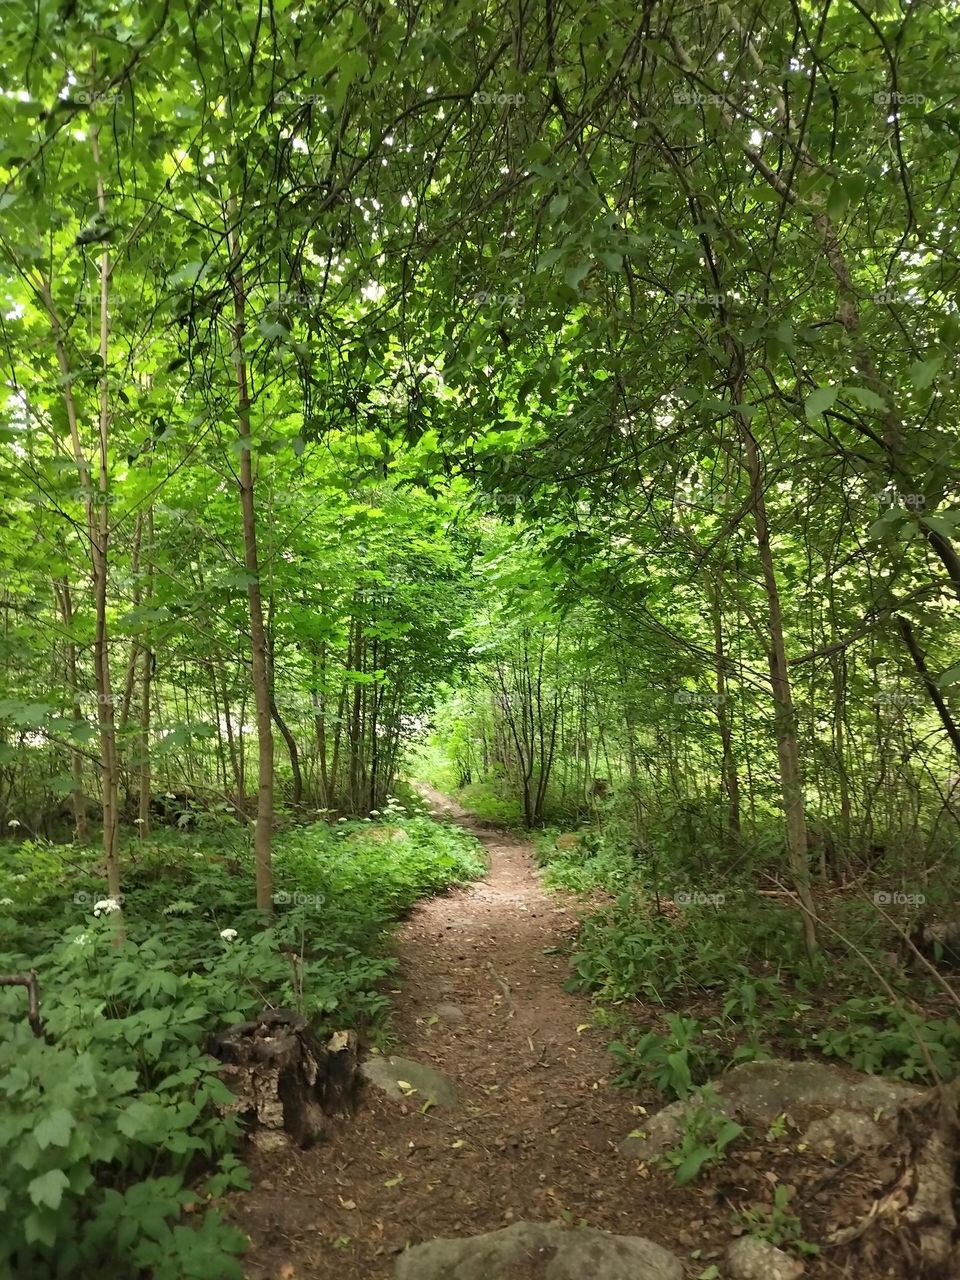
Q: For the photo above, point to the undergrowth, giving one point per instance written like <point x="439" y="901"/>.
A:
<point x="116" y="1153"/>
<point x="726" y="977"/>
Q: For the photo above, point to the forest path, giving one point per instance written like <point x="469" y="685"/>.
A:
<point x="536" y="1131"/>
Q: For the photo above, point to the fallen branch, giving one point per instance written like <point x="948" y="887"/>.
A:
<point x="28" y="980"/>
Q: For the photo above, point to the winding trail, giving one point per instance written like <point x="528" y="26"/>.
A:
<point x="536" y="1133"/>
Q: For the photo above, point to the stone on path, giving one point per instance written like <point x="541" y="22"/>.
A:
<point x="751" y="1259"/>
<point x="450" y="1013"/>
<point x="402" y="1078"/>
<point x="539" y="1251"/>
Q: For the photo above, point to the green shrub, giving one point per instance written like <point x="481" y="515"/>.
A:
<point x="110" y="1125"/>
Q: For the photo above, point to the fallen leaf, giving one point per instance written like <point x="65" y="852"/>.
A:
<point x="394" y="1182"/>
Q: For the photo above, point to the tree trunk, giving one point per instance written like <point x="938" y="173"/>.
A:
<point x="258" y="640"/>
<point x="788" y="755"/>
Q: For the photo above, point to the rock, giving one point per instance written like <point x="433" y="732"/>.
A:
<point x="539" y="1251"/>
<point x="389" y="1075"/>
<point x="451" y="1013"/>
<point x="751" y="1259"/>
<point x="664" y="1130"/>
<point x="758" y="1092"/>
<point x="847" y="1132"/>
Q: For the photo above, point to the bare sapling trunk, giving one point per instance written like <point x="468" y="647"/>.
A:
<point x="263" y="837"/>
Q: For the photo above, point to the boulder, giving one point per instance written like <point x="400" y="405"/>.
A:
<point x="758" y="1092"/>
<point x="450" y="1013"/>
<point x="847" y="1132"/>
<point x="402" y="1078"/>
<point x="752" y="1259"/>
<point x="539" y="1251"/>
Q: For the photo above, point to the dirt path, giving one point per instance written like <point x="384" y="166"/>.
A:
<point x="536" y="1134"/>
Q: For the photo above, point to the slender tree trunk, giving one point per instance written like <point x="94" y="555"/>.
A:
<point x="78" y="800"/>
<point x="788" y="754"/>
<point x="730" y="776"/>
<point x="258" y="640"/>
<point x="146" y="685"/>
<point x="933" y="691"/>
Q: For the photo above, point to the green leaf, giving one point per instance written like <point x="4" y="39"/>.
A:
<point x="923" y="372"/>
<point x="691" y="1164"/>
<point x="573" y="275"/>
<point x="819" y="401"/>
<point x="54" y="1129"/>
<point x="48" y="1189"/>
<point x="863" y="395"/>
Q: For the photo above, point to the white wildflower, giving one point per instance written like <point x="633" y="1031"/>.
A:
<point x="228" y="934"/>
<point x="6" y="902"/>
<point x="105" y="906"/>
<point x="13" y="823"/>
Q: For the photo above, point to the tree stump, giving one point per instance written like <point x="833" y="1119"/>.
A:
<point x="938" y="943"/>
<point x="287" y="1084"/>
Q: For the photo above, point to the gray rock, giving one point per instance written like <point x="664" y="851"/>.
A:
<point x="664" y="1130"/>
<point x="390" y="1075"/>
<point x="751" y="1259"/>
<point x="847" y="1132"/>
<point x="758" y="1092"/>
<point x="539" y="1251"/>
<point x="450" y="1013"/>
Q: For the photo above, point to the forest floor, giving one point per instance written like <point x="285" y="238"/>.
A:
<point x="539" y="1122"/>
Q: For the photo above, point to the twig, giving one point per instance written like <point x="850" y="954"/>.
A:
<point x="28" y="980"/>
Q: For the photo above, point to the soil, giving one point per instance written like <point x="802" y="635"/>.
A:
<point x="536" y="1134"/>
